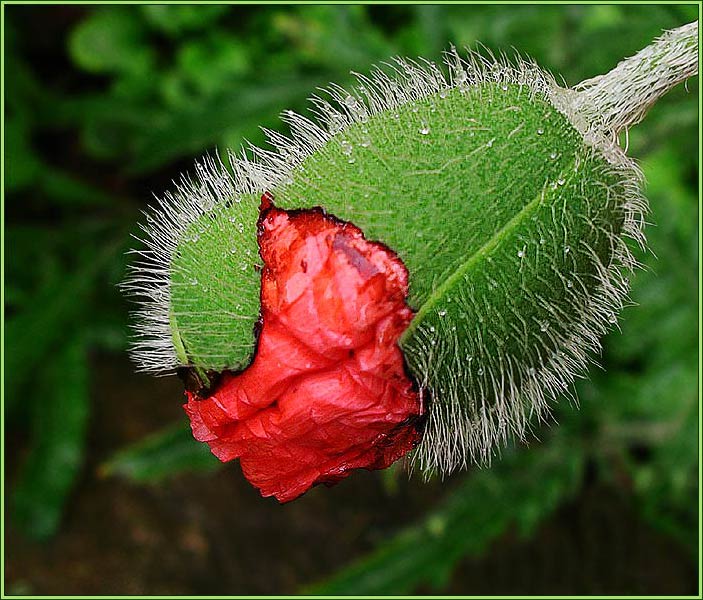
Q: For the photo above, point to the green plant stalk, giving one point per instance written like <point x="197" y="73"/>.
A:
<point x="616" y="101"/>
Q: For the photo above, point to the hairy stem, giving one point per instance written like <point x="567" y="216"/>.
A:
<point x="619" y="99"/>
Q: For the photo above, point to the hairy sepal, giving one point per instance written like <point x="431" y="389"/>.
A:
<point x="511" y="226"/>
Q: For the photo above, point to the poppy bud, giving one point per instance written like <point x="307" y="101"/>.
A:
<point x="505" y="194"/>
<point x="327" y="391"/>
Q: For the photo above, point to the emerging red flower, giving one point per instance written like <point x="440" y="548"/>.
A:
<point x="327" y="390"/>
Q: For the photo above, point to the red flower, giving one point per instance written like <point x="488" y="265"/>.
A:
<point x="327" y="391"/>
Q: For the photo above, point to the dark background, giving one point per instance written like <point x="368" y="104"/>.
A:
<point x="107" y="492"/>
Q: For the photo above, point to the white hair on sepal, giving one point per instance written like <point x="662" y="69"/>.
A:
<point x="148" y="277"/>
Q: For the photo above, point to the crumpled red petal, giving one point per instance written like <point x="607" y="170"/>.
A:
<point x="327" y="391"/>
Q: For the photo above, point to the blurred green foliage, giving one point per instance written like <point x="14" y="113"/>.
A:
<point x="520" y="490"/>
<point x="103" y="103"/>
<point x="160" y="455"/>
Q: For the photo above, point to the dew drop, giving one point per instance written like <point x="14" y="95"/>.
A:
<point x="351" y="161"/>
<point x="336" y="124"/>
<point x="553" y="155"/>
<point x="504" y="87"/>
<point x="543" y="326"/>
<point x="567" y="249"/>
<point x="612" y="318"/>
<point x="233" y="251"/>
<point x="232" y="219"/>
<point x="442" y="313"/>
<point x="347" y="148"/>
<point x="542" y="240"/>
<point x="561" y="181"/>
<point x="480" y="371"/>
<point x="489" y="143"/>
<point x="424" y="129"/>
<point x="443" y="93"/>
<point x="461" y="80"/>
<point x="521" y="253"/>
<point x="355" y="108"/>
<point x="432" y="329"/>
<point x="540" y="131"/>
<point x="193" y="282"/>
<point x="569" y="283"/>
<point x="244" y="267"/>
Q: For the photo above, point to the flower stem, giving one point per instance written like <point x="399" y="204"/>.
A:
<point x="619" y="99"/>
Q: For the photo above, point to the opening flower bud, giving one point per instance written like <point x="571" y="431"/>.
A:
<point x="505" y="195"/>
<point x="327" y="391"/>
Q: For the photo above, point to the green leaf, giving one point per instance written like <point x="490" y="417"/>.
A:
<point x="519" y="491"/>
<point x="111" y="39"/>
<point x="23" y="166"/>
<point x="201" y="125"/>
<point x="175" y="20"/>
<point x="165" y="453"/>
<point x="214" y="60"/>
<point x="26" y="170"/>
<point x="69" y="191"/>
<point x="147" y="137"/>
<point x="51" y="315"/>
<point x="336" y="37"/>
<point x="60" y="407"/>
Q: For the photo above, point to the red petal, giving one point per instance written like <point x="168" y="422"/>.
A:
<point x="327" y="390"/>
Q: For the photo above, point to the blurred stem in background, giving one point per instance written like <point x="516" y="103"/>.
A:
<point x="106" y="104"/>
